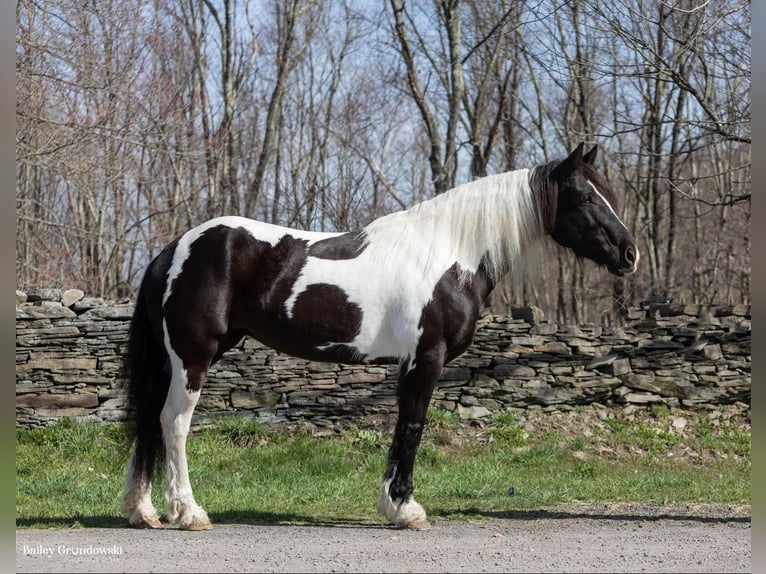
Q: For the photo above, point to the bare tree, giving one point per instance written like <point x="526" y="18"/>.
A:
<point x="286" y="17"/>
<point x="690" y="65"/>
<point x="137" y="121"/>
<point x="447" y="66"/>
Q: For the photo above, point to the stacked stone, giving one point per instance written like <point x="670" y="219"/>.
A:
<point x="679" y="355"/>
<point x="691" y="355"/>
<point x="69" y="350"/>
<point x="254" y="380"/>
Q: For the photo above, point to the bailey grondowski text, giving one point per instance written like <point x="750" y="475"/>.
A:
<point x="67" y="550"/>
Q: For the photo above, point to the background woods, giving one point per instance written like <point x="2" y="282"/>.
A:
<point x="136" y="121"/>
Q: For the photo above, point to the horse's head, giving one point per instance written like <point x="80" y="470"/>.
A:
<point x="583" y="214"/>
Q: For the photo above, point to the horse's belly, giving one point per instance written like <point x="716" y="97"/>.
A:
<point x="387" y="336"/>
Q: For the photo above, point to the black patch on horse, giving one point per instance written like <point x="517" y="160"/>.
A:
<point x="346" y="246"/>
<point x="277" y="268"/>
<point x="320" y="301"/>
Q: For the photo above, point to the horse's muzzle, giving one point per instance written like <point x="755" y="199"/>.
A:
<point x="629" y="260"/>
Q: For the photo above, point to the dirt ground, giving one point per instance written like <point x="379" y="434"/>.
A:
<point x="576" y="538"/>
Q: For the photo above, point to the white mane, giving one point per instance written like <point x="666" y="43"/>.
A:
<point x="490" y="219"/>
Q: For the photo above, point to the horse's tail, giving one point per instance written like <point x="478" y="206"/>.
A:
<point x="146" y="370"/>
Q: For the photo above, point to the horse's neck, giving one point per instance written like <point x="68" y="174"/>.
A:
<point x="483" y="224"/>
<point x="496" y="217"/>
<point x="483" y="282"/>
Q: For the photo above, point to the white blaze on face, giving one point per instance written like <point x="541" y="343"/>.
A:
<point x="617" y="217"/>
<point x="609" y="205"/>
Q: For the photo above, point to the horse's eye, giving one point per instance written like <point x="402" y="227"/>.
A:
<point x="587" y="198"/>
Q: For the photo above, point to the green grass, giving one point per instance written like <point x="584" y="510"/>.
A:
<point x="71" y="474"/>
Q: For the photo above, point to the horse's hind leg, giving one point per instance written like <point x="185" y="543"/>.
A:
<point x="416" y="384"/>
<point x="185" y="384"/>
<point x="137" y="497"/>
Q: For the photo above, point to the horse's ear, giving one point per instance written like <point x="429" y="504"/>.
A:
<point x="576" y="156"/>
<point x="590" y="157"/>
<point x="571" y="163"/>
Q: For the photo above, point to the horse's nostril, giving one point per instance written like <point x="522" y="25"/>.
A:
<point x="630" y="254"/>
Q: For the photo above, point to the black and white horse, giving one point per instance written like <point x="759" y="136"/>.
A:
<point x="408" y="287"/>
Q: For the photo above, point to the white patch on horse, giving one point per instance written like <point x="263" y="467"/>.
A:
<point x="137" y="499"/>
<point x="176" y="417"/>
<point x="404" y="514"/>
<point x="408" y="252"/>
<point x="390" y="305"/>
<point x="261" y="231"/>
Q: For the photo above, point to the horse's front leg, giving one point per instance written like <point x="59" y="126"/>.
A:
<point x="416" y="384"/>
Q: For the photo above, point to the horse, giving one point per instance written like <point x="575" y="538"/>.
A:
<point x="407" y="288"/>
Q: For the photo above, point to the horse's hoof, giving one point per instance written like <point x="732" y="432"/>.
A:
<point x="144" y="522"/>
<point x="417" y="524"/>
<point x="197" y="526"/>
<point x="194" y="519"/>
<point x="188" y="515"/>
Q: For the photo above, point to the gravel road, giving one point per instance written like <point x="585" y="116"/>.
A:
<point x="584" y="538"/>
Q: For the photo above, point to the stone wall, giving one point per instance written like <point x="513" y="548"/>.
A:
<point x="69" y="349"/>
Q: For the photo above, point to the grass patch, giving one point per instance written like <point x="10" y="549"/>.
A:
<point x="506" y="428"/>
<point x="72" y="474"/>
